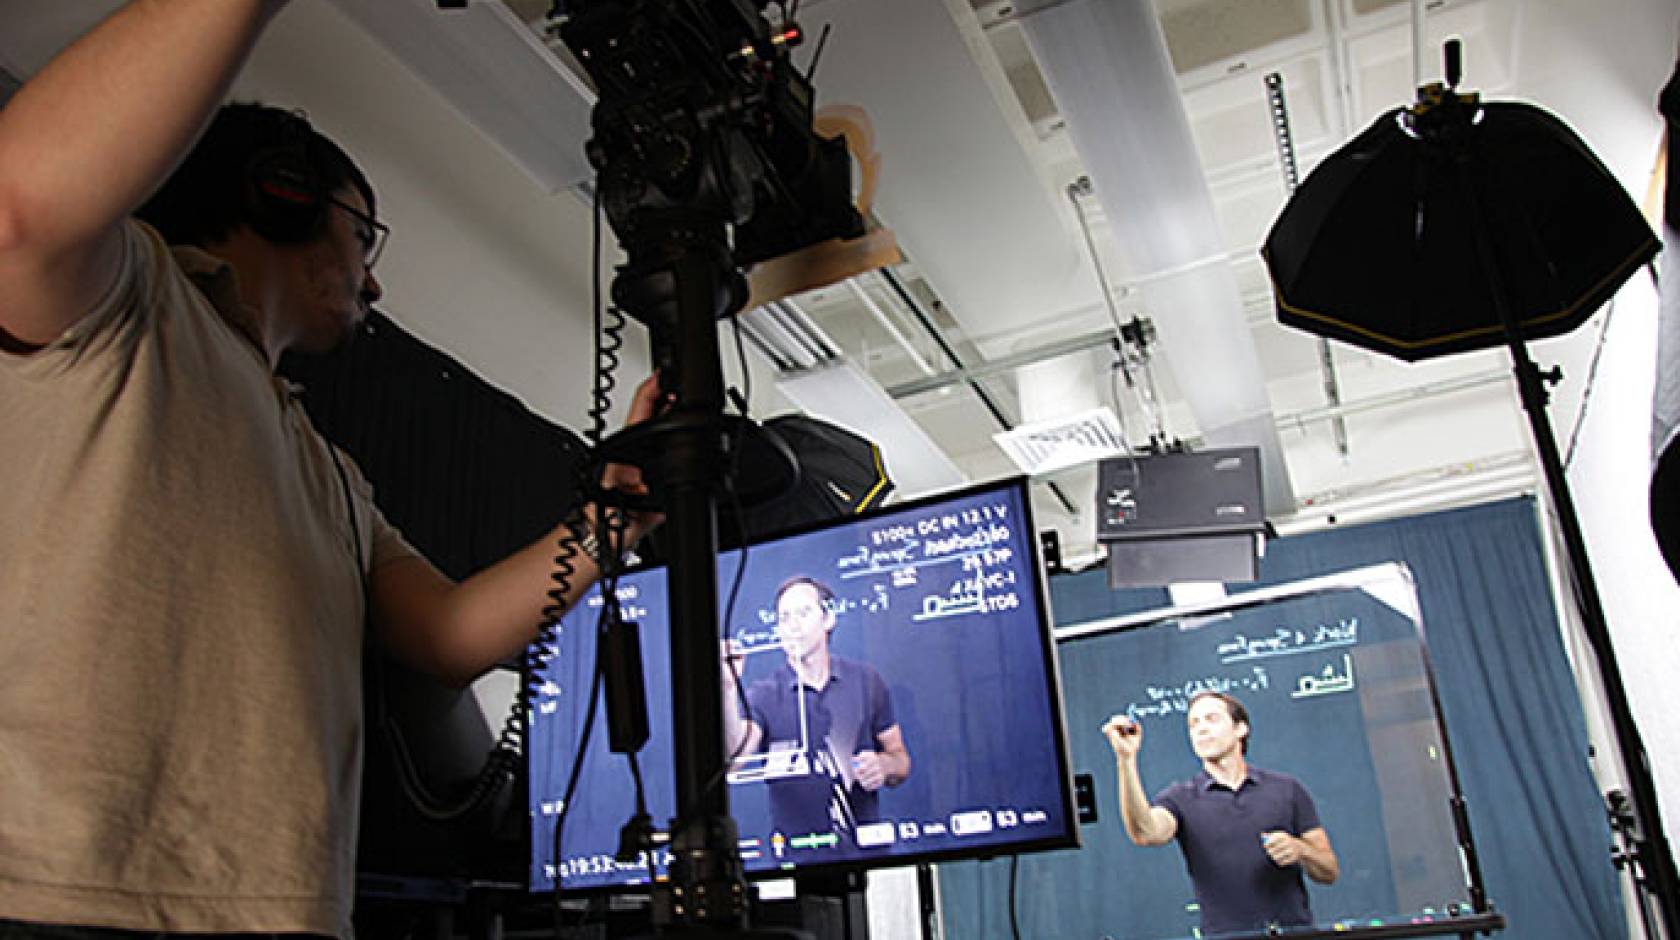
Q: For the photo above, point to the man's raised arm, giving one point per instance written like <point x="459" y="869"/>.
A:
<point x="87" y="140"/>
<point x="740" y="735"/>
<point x="1145" y="824"/>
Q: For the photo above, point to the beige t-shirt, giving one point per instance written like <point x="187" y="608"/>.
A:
<point x="180" y="623"/>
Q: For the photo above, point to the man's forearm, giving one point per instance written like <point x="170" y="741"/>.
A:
<point x="1135" y="811"/>
<point x="735" y="728"/>
<point x="1320" y="863"/>
<point x="1319" y="870"/>
<point x="458" y="631"/>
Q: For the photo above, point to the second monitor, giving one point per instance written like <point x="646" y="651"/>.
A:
<point x="897" y="701"/>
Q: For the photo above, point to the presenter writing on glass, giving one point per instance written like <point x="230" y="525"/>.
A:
<point x="1247" y="834"/>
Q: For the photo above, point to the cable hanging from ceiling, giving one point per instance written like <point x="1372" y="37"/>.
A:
<point x="1133" y="341"/>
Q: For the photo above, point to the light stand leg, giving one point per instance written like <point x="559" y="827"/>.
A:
<point x="1653" y="852"/>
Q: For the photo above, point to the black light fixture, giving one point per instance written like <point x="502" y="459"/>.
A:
<point x="1186" y="516"/>
<point x="1454" y="225"/>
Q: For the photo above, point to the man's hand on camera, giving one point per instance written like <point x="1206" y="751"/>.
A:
<point x="626" y="479"/>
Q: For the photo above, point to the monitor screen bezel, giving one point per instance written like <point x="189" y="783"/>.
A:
<point x="1068" y="838"/>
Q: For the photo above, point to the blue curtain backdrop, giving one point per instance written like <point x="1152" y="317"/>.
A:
<point x="1511" y="708"/>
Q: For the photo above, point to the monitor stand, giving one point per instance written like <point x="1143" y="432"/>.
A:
<point x="827" y="906"/>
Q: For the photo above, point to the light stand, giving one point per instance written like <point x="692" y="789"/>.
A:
<point x="1624" y="854"/>
<point x="1447" y="127"/>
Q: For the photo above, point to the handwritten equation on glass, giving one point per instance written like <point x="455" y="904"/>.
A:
<point x="953" y="564"/>
<point x="1311" y="661"/>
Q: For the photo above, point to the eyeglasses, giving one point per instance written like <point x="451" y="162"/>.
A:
<point x="371" y="232"/>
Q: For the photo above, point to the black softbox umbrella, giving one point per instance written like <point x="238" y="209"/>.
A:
<point x="841" y="473"/>
<point x="1665" y="476"/>
<point x="793" y="470"/>
<point x="1378" y="248"/>
<point x="1455" y="225"/>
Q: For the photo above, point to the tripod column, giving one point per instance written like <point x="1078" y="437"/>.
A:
<point x="679" y="281"/>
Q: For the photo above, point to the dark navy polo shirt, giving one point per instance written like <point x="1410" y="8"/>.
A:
<point x="1237" y="884"/>
<point x="846" y="715"/>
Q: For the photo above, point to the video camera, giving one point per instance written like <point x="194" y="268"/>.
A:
<point x="707" y="161"/>
<point x="702" y="114"/>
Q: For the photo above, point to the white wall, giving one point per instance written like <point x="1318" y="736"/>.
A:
<point x="1610" y="477"/>
<point x="1613" y="107"/>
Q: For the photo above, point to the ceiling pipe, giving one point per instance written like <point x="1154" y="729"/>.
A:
<point x="891" y="327"/>
<point x="826" y="349"/>
<point x="1148" y="402"/>
<point x="1107" y="66"/>
<point x="1003" y="364"/>
<point x="990" y="404"/>
<point x="792" y="351"/>
<point x="1405" y="396"/>
<point x="754" y="336"/>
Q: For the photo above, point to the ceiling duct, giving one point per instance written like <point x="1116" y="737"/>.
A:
<point x="497" y="73"/>
<point x="1108" y="68"/>
<point x="840" y="391"/>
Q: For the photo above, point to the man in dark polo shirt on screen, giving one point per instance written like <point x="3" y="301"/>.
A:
<point x="1247" y="834"/>
<point x="830" y="718"/>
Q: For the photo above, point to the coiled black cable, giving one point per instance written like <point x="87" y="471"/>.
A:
<point x="427" y="804"/>
<point x="502" y="763"/>
<point x="610" y="530"/>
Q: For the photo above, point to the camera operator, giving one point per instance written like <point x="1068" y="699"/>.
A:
<point x="185" y="564"/>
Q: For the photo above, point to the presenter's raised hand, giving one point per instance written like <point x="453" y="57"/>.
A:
<point x="1124" y="735"/>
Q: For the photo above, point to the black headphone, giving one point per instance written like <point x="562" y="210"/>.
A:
<point x="285" y="201"/>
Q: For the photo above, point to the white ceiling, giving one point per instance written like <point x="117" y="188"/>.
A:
<point x="491" y="254"/>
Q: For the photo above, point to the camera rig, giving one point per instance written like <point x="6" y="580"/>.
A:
<point x="706" y="161"/>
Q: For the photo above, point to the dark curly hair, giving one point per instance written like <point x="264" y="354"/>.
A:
<point x="208" y="195"/>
